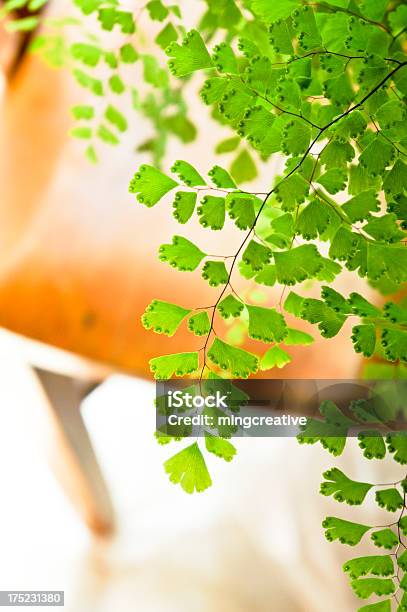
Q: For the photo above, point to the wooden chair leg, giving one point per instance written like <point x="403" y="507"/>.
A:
<point x="74" y="460"/>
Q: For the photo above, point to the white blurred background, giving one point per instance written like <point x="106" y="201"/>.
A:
<point x="252" y="542"/>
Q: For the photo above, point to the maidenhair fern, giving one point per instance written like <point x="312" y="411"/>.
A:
<point x="383" y="572"/>
<point x="323" y="86"/>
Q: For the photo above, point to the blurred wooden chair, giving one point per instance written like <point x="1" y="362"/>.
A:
<point x="77" y="272"/>
<point x="73" y="281"/>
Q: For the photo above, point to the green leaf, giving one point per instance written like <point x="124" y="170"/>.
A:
<point x="373" y="9"/>
<point x="366" y="411"/>
<point x="256" y="255"/>
<point x="128" y="54"/>
<point x="293" y="304"/>
<point x="227" y="145"/>
<point x="291" y="191"/>
<point x="270" y="12"/>
<point x="389" y="499"/>
<point x="283" y="226"/>
<point x="88" y="82"/>
<point x="255" y="124"/>
<point x="362" y="307"/>
<point x="83" y="133"/>
<point x="395" y="313"/>
<point x="334" y="180"/>
<point x="188" y="468"/>
<point x="247" y="47"/>
<point x="365" y="587"/>
<point x="241" y="209"/>
<point x="166" y="36"/>
<point x="398" y="18"/>
<point x="26" y="24"/>
<point x="298" y="264"/>
<point x="125" y="20"/>
<point x="344" y="244"/>
<point x="107" y="135"/>
<point x="390" y="114"/>
<point x="179" y="364"/>
<point x="116" y="118"/>
<point x="230" y="307"/>
<point x="212" y="212"/>
<point x="107" y="17"/>
<point x="335" y="300"/>
<point x="238" y="362"/>
<point x="372" y="443"/>
<point x="87" y="6"/>
<point x="199" y="324"/>
<point x="385" y="260"/>
<point x="350" y="126"/>
<point x="150" y="185"/>
<point x="396" y="179"/>
<point x="384" y="228"/>
<point x="157" y="10"/>
<point x="190" y="56"/>
<point x="243" y="168"/>
<point x="329" y="271"/>
<point x="402" y="561"/>
<point x="296" y="137"/>
<point x="376" y="156"/>
<point x="224" y="59"/>
<point x="403" y="525"/>
<point x="235" y="100"/>
<point x="221" y="178"/>
<point x="163" y="317"/>
<point x="306" y="29"/>
<point x="83" y="112"/>
<point x="111" y="59"/>
<point x="329" y="321"/>
<point x="399" y="208"/>
<point x="267" y="276"/>
<point x="359" y="180"/>
<point x="274" y="357"/>
<point x="181" y="254"/>
<point x="91" y="154"/>
<point x="360" y="207"/>
<point x="35" y="5"/>
<point x="313" y="219"/>
<point x="246" y="271"/>
<point x="184" y="205"/>
<point x="385" y="538"/>
<point x="378" y="565"/>
<point x="344" y="531"/>
<point x="364" y="339"/>
<point x="394" y="343"/>
<point x="296" y="336"/>
<point x="337" y="154"/>
<point x="380" y="606"/>
<point x="266" y="324"/>
<point x="339" y="90"/>
<point x="331" y="435"/>
<point x="187" y="174"/>
<point x="213" y="89"/>
<point x="153" y="73"/>
<point x="215" y="273"/>
<point x="280" y="38"/>
<point x="181" y="127"/>
<point x="116" y="84"/>
<point x="85" y="53"/>
<point x="219" y="447"/>
<point x="397" y="445"/>
<point x="343" y="489"/>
